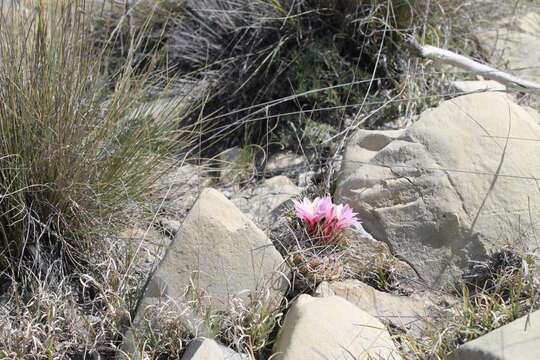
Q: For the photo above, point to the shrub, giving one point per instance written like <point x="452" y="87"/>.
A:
<point x="115" y="23"/>
<point x="81" y="145"/>
<point x="268" y="63"/>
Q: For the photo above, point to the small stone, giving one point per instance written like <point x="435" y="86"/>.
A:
<point x="305" y="179"/>
<point x="403" y="312"/>
<point x="261" y="202"/>
<point x="169" y="226"/>
<point x="332" y="328"/>
<point x="286" y="163"/>
<point x="208" y="349"/>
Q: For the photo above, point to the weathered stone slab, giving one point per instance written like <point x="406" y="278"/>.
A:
<point x="518" y="340"/>
<point x="220" y="251"/>
<point x="402" y="312"/>
<point x="460" y="181"/>
<point x="332" y="328"/>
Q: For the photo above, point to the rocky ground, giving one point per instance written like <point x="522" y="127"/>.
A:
<point x="457" y="186"/>
<point x="444" y="264"/>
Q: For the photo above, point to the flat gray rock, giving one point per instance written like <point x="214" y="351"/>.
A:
<point x="404" y="312"/>
<point x="221" y="252"/>
<point x="518" y="340"/>
<point x="332" y="328"/>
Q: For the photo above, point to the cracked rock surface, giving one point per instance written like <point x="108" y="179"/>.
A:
<point x="460" y="181"/>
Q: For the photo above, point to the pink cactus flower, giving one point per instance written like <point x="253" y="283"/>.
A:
<point x="324" y="207"/>
<point x="345" y="217"/>
<point x="307" y="210"/>
<point x="323" y="218"/>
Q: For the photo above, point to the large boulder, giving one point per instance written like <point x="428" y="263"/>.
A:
<point x="519" y="340"/>
<point x="331" y="328"/>
<point x="461" y="181"/>
<point x="220" y="251"/>
<point x="513" y="42"/>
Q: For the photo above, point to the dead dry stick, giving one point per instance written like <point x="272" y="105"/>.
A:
<point x="451" y="58"/>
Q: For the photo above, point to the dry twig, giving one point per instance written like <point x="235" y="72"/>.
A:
<point x="463" y="62"/>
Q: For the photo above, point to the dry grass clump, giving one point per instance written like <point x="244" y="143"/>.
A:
<point x="46" y="324"/>
<point x="73" y="316"/>
<point x="113" y="24"/>
<point x="74" y="153"/>
<point x="163" y="332"/>
<point x="248" y="325"/>
<point x="382" y="273"/>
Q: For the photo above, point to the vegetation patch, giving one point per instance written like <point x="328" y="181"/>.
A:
<point x="272" y="62"/>
<point x="492" y="293"/>
<point x="78" y="155"/>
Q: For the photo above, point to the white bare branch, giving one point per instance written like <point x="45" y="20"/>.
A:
<point x="451" y="58"/>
